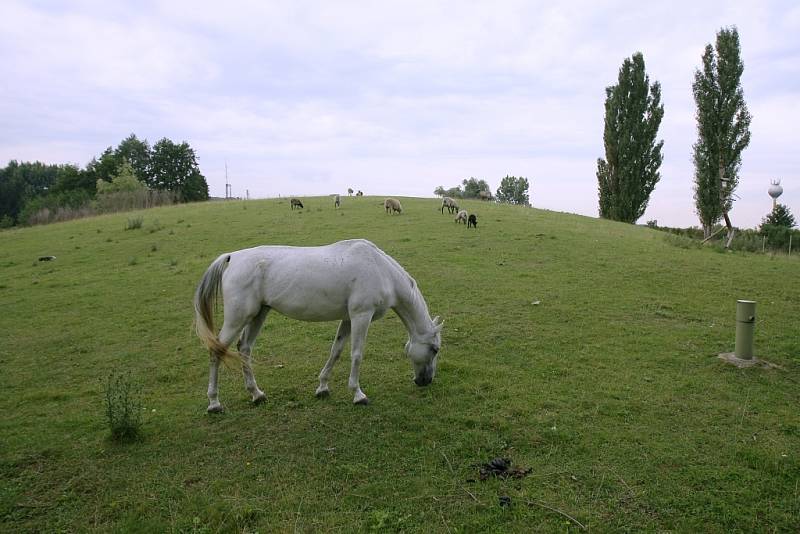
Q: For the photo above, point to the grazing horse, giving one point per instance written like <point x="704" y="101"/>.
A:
<point x="336" y="202"/>
<point x="392" y="205"/>
<point x="461" y="217"/>
<point x="295" y="202"/>
<point x="450" y="204"/>
<point x="353" y="282"/>
<point x="472" y="221"/>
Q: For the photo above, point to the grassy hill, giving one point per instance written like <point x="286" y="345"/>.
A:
<point x="581" y="349"/>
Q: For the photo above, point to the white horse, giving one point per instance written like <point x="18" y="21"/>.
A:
<point x="351" y="281"/>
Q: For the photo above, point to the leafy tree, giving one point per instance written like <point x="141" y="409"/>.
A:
<point x="137" y="153"/>
<point x="104" y="168"/>
<point x="473" y="187"/>
<point x="513" y="190"/>
<point x="21" y="182"/>
<point x="174" y="168"/>
<point x="454" y="192"/>
<point x="73" y="178"/>
<point x="125" y="181"/>
<point x="630" y="172"/>
<point x="780" y="216"/>
<point x="195" y="188"/>
<point x="723" y="129"/>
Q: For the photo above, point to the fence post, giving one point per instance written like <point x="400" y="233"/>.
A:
<point x="745" y="325"/>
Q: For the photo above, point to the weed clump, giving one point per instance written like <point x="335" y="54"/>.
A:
<point x="135" y="223"/>
<point x="123" y="408"/>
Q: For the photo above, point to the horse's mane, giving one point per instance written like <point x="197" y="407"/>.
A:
<point x="417" y="300"/>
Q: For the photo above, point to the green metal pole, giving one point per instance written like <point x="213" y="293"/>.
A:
<point x="745" y="327"/>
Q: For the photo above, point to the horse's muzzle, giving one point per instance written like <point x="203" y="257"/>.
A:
<point x="423" y="380"/>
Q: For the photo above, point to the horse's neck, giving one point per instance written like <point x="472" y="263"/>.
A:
<point x="411" y="308"/>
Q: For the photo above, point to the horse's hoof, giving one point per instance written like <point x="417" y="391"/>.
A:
<point x="260" y="399"/>
<point x="215" y="408"/>
<point x="323" y="393"/>
<point x="362" y="401"/>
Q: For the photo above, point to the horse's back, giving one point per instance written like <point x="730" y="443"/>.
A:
<point x="314" y="283"/>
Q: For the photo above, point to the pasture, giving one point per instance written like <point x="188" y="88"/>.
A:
<point x="583" y="350"/>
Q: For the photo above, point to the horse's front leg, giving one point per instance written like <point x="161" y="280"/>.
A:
<point x="359" y="326"/>
<point x="342" y="333"/>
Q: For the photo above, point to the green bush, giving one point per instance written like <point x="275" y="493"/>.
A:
<point x="123" y="408"/>
<point x="778" y="236"/>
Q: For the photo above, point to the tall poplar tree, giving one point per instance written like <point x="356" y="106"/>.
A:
<point x="723" y="130"/>
<point x="628" y="175"/>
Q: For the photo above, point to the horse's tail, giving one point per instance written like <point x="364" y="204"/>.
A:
<point x="205" y="297"/>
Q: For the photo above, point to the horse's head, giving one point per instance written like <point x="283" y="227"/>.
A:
<point x="424" y="351"/>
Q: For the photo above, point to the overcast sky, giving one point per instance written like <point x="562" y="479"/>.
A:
<point x="310" y="98"/>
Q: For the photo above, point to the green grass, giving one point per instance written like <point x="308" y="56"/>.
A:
<point x="609" y="388"/>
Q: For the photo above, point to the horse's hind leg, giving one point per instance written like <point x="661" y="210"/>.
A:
<point x="342" y="333"/>
<point x="213" y="389"/>
<point x="246" y="342"/>
<point x="235" y="319"/>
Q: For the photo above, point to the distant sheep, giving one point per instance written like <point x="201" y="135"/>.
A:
<point x="472" y="221"/>
<point x="392" y="205"/>
<point x="450" y="204"/>
<point x="461" y="217"/>
<point x="295" y="202"/>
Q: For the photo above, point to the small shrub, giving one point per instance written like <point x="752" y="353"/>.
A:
<point x="156" y="227"/>
<point x="135" y="223"/>
<point x="123" y="408"/>
<point x="154" y="247"/>
<point x="132" y="261"/>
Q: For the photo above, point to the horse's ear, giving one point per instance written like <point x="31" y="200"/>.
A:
<point x="437" y="324"/>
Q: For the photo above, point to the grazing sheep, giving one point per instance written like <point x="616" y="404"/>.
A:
<point x="392" y="205"/>
<point x="461" y="217"/>
<point x="336" y="202"/>
<point x="295" y="202"/>
<point x="450" y="204"/>
<point x="472" y="221"/>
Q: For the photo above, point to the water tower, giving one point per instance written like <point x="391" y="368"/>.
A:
<point x="775" y="190"/>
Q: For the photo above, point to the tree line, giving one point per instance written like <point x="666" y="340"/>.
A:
<point x="633" y="155"/>
<point x="132" y="175"/>
<point x="512" y="190"/>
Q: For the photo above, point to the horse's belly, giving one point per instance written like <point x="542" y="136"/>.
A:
<point x="313" y="313"/>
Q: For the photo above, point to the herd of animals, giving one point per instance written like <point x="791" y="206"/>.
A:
<point x="392" y="206"/>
